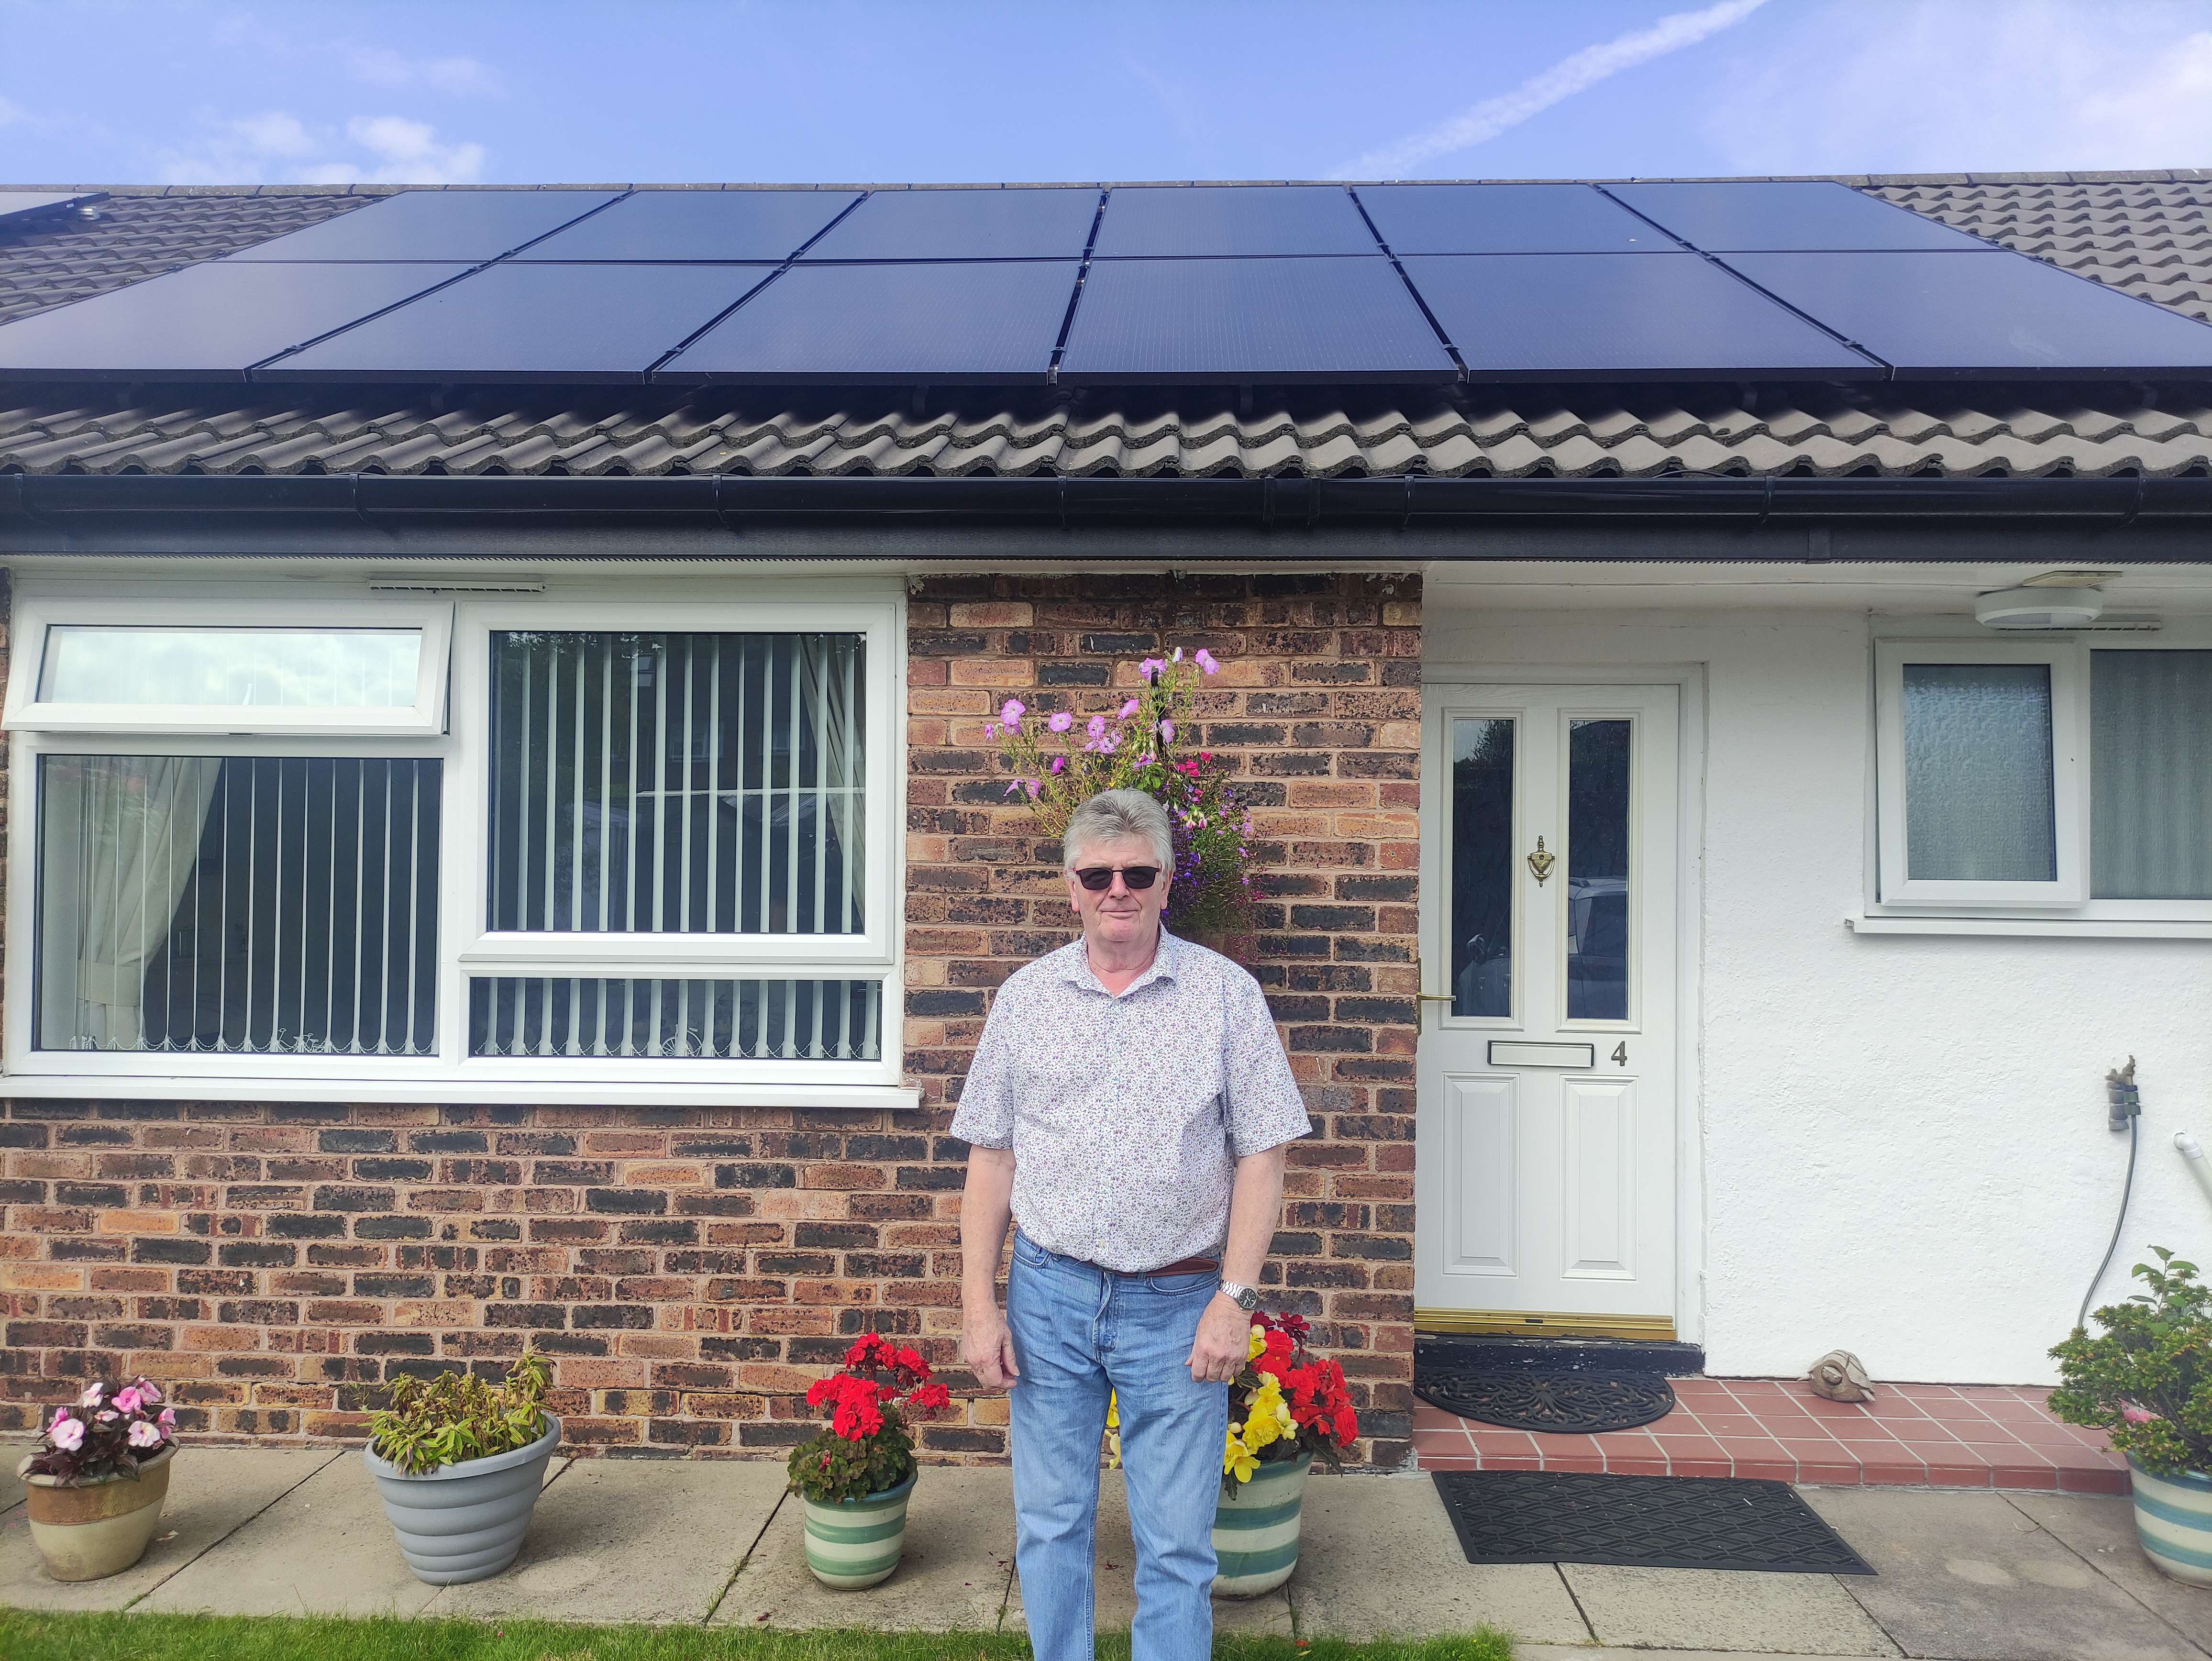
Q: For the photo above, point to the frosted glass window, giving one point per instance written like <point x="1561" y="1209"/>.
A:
<point x="1979" y="802"/>
<point x="2150" y="835"/>
<point x="255" y="668"/>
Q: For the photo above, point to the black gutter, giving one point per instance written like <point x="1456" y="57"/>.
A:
<point x="1286" y="503"/>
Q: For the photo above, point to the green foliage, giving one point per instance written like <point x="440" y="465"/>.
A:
<point x="458" y="1416"/>
<point x="2147" y="1381"/>
<point x="831" y="1467"/>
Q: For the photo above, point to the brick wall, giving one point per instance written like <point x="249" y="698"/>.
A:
<point x="690" y="1271"/>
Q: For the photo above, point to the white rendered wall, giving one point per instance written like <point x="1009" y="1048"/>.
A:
<point x="1905" y="1150"/>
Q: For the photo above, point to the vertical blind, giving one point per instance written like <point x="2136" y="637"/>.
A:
<point x="241" y="904"/>
<point x="2150" y="719"/>
<point x="834" y="1021"/>
<point x="678" y="783"/>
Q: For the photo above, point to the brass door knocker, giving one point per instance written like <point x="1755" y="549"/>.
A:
<point x="1540" y="863"/>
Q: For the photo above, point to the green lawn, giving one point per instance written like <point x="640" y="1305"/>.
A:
<point x="25" y="1635"/>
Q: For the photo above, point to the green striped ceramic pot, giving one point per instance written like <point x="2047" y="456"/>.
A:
<point x="852" y="1543"/>
<point x="2173" y="1519"/>
<point x="1255" y="1530"/>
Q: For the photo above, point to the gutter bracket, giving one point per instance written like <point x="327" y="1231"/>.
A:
<point x="2135" y="507"/>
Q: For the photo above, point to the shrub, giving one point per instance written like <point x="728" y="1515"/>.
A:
<point x="2147" y="1382"/>
<point x="458" y="1416"/>
<point x="105" y="1431"/>
<point x="866" y="1447"/>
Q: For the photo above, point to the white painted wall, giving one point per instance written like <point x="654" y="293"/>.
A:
<point x="1905" y="1150"/>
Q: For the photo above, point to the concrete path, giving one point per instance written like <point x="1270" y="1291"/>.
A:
<point x="1964" y="1576"/>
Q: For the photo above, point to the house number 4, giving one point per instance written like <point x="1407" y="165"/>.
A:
<point x="1619" y="1057"/>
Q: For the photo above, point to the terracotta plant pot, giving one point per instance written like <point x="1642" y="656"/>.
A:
<point x="464" y="1522"/>
<point x="852" y="1543"/>
<point x="1255" y="1530"/>
<point x="2173" y="1520"/>
<point x="102" y="1528"/>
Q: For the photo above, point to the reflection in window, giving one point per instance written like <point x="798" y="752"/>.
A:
<point x="251" y="905"/>
<point x="1977" y="773"/>
<point x="1597" y="869"/>
<point x="678" y="783"/>
<point x="1482" y="867"/>
<point x="254" y="669"/>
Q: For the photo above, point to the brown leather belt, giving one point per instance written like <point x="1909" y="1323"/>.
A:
<point x="1185" y="1266"/>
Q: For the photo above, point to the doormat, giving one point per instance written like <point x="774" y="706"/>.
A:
<point x="1641" y="1522"/>
<point x="1565" y="1403"/>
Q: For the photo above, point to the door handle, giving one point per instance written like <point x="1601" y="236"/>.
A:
<point x="1420" y="978"/>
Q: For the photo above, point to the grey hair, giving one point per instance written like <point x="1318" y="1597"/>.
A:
<point x="1114" y="816"/>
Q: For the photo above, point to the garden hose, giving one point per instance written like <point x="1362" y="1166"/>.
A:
<point x="2121" y="1102"/>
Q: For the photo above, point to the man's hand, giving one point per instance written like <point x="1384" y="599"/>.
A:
<point x="1225" y="1342"/>
<point x="989" y="1348"/>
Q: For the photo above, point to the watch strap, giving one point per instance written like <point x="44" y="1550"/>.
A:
<point x="1245" y="1298"/>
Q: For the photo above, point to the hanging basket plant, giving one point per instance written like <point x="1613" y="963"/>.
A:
<point x="1061" y="760"/>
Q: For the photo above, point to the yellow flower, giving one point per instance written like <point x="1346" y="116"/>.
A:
<point x="1113" y="1410"/>
<point x="1255" y="1343"/>
<point x="1237" y="1461"/>
<point x="1259" y="1430"/>
<point x="1113" y="1432"/>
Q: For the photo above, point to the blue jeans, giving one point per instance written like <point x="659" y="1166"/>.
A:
<point x="1079" y="1332"/>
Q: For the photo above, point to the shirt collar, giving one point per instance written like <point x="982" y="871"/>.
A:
<point x="1166" y="965"/>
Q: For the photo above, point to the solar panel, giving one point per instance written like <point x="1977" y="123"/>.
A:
<point x="533" y="323"/>
<point x="1183" y="221"/>
<point x="468" y="226"/>
<point x="1004" y="224"/>
<point x="739" y="225"/>
<point x="1506" y="219"/>
<point x="206" y="322"/>
<point x="1988" y="314"/>
<point x="21" y="207"/>
<point x="1813" y="214"/>
<point x="1251" y="319"/>
<point x="943" y="323"/>
<point x="1591" y="316"/>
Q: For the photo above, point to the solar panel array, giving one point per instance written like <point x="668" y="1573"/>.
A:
<point x="1159" y="285"/>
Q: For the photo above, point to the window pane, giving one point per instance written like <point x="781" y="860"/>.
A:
<point x="257" y="668"/>
<point x="256" y="905"/>
<point x="2150" y="818"/>
<point x="1482" y="867"/>
<point x="1977" y="773"/>
<point x="1597" y="869"/>
<point x="692" y="784"/>
<point x="685" y="1019"/>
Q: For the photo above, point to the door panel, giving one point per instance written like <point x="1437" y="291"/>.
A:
<point x="1547" y="1061"/>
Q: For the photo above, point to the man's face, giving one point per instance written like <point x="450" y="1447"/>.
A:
<point x="1118" y="914"/>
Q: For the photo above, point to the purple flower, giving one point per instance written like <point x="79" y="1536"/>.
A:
<point x="1178" y="655"/>
<point x="68" y="1434"/>
<point x="1011" y="711"/>
<point x="1061" y="722"/>
<point x="1152" y="667"/>
<point x="1205" y="660"/>
<point x="1129" y="708"/>
<point x="145" y="1433"/>
<point x="1015" y="786"/>
<point x="990" y="729"/>
<point x="1034" y="786"/>
<point x="1098" y="727"/>
<point x="147" y="1392"/>
<point x="1167" y="731"/>
<point x="168" y="1415"/>
<point x="1058" y="762"/>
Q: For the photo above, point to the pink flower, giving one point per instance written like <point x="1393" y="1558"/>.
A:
<point x="1059" y="763"/>
<point x="1150" y="666"/>
<point x="1205" y="660"/>
<point x="1129" y="708"/>
<point x="1167" y="731"/>
<point x="68" y="1434"/>
<point x="1061" y="722"/>
<point x="1098" y="727"/>
<point x="145" y="1433"/>
<point x="1010" y="711"/>
<point x="127" y="1400"/>
<point x="147" y="1392"/>
<point x="1015" y="786"/>
<point x="168" y="1415"/>
<point x="91" y="1397"/>
<point x="2135" y="1415"/>
<point x="1034" y="786"/>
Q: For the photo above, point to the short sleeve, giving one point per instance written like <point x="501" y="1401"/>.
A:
<point x="985" y="1116"/>
<point x="1265" y="1108"/>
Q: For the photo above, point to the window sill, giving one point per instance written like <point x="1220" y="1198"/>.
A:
<point x="2086" y="928"/>
<point x="549" y="1092"/>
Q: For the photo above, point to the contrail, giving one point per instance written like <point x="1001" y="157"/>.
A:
<point x="1539" y="92"/>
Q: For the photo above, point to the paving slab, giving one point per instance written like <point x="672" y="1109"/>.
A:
<point x="1607" y="1652"/>
<point x="212" y="1492"/>
<point x="1377" y="1558"/>
<point x="324" y="1548"/>
<point x="620" y="1539"/>
<point x="2100" y="1529"/>
<point x="959" y="1555"/>
<point x="1723" y="1610"/>
<point x="1970" y="1577"/>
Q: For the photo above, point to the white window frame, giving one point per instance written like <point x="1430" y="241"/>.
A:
<point x="425" y="718"/>
<point x="466" y="947"/>
<point x="1988" y="908"/>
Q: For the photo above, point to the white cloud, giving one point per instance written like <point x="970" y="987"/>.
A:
<point x="276" y="148"/>
<point x="1568" y="77"/>
<point x="380" y="66"/>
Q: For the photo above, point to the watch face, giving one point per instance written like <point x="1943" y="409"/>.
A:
<point x="1249" y="1299"/>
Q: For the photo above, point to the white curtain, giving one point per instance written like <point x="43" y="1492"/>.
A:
<point x="828" y="663"/>
<point x="121" y="839"/>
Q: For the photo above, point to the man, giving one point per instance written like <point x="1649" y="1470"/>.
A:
<point x="1128" y="1108"/>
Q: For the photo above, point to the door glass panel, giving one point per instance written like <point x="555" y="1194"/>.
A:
<point x="1978" y="775"/>
<point x="1482" y="867"/>
<point x="1597" y="870"/>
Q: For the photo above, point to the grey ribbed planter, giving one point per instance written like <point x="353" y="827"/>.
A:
<point x="464" y="1522"/>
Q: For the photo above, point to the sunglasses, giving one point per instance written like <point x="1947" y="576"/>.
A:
<point x="1099" y="878"/>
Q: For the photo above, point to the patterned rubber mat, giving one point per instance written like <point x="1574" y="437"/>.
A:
<point x="1565" y="1403"/>
<point x="1641" y="1522"/>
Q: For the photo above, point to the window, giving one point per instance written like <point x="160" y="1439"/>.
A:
<point x="635" y="855"/>
<point x="2050" y="777"/>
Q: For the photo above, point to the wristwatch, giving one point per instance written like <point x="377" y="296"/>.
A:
<point x="1245" y="1298"/>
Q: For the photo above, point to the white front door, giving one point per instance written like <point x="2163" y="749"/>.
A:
<point x="1544" y="1181"/>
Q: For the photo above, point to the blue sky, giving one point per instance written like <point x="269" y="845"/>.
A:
<point x="584" y="91"/>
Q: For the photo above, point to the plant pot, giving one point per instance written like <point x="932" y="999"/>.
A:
<point x="1255" y="1530"/>
<point x="852" y="1543"/>
<point x="464" y="1522"/>
<point x="102" y="1528"/>
<point x="2173" y="1520"/>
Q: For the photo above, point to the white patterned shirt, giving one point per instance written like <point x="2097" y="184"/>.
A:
<point x="1126" y="1114"/>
